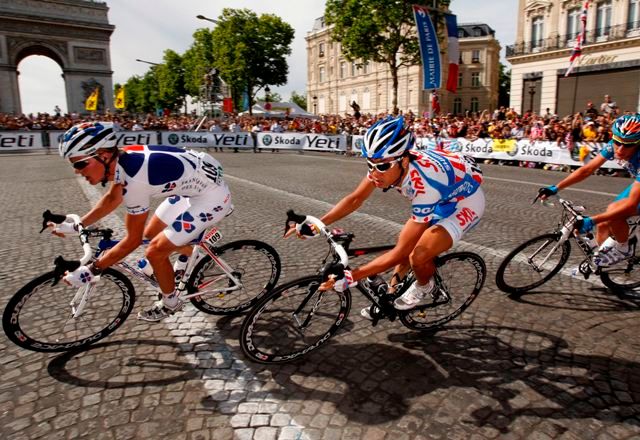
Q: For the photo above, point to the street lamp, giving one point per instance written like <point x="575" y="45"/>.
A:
<point x="267" y="104"/>
<point x="315" y="104"/>
<point x="202" y="17"/>
<point x="147" y="62"/>
<point x="532" y="92"/>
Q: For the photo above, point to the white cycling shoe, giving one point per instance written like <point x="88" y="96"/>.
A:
<point x="611" y="252"/>
<point x="159" y="311"/>
<point x="414" y="295"/>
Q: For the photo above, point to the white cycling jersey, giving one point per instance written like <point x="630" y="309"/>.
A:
<point x="437" y="181"/>
<point x="150" y="171"/>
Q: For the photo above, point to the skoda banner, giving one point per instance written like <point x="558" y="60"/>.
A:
<point x="302" y="141"/>
<point x="124" y="138"/>
<point x="191" y="139"/>
<point x="20" y="140"/>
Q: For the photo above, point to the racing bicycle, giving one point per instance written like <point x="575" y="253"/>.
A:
<point x="539" y="259"/>
<point x="47" y="315"/>
<point x="296" y="318"/>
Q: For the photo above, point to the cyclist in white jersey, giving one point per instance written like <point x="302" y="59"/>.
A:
<point x="196" y="198"/>
<point x="446" y="202"/>
<point x="612" y="232"/>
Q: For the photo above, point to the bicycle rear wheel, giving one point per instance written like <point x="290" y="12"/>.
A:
<point x="254" y="263"/>
<point x="623" y="278"/>
<point x="293" y="320"/>
<point x="523" y="269"/>
<point x="39" y="315"/>
<point x="460" y="276"/>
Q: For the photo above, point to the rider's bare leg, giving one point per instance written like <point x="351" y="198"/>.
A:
<point x="432" y="243"/>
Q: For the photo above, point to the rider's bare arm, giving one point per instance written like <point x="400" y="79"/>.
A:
<point x="107" y="204"/>
<point x="583" y="172"/>
<point x="133" y="239"/>
<point x="409" y="236"/>
<point x="350" y="202"/>
<point x="623" y="209"/>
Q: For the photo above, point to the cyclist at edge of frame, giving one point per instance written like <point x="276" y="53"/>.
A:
<point x="613" y="232"/>
<point x="446" y="197"/>
<point x="196" y="198"/>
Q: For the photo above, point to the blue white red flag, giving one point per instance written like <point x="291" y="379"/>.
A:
<point x="577" y="48"/>
<point x="454" y="52"/>
<point x="429" y="50"/>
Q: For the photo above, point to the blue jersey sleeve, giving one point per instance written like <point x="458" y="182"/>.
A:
<point x="607" y="151"/>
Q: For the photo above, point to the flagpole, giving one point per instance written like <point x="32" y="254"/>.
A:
<point x="575" y="91"/>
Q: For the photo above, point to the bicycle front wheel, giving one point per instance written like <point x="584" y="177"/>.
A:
<point x="293" y="320"/>
<point x="460" y="277"/>
<point x="532" y="264"/>
<point x="254" y="263"/>
<point x="40" y="316"/>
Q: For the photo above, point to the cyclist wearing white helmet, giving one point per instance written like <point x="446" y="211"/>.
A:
<point x="446" y="197"/>
<point x="613" y="231"/>
<point x="196" y="198"/>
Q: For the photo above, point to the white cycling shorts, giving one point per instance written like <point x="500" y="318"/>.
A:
<point x="188" y="217"/>
<point x="468" y="213"/>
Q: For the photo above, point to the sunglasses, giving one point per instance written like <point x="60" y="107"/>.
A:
<point x="382" y="167"/>
<point x="82" y="164"/>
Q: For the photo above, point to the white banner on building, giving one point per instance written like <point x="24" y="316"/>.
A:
<point x="20" y="140"/>
<point x="190" y="139"/>
<point x="302" y="141"/>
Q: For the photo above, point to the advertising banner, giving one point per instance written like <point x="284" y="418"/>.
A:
<point x="302" y="141"/>
<point x="191" y="139"/>
<point x="20" y="140"/>
<point x="124" y="138"/>
<point x="429" y="50"/>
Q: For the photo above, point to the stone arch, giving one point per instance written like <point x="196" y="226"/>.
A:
<point x="74" y="33"/>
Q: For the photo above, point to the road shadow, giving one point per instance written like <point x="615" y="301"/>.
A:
<point x="596" y="299"/>
<point x="523" y="373"/>
<point x="124" y="364"/>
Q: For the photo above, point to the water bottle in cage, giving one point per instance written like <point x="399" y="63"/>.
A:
<point x="145" y="267"/>
<point x="591" y="241"/>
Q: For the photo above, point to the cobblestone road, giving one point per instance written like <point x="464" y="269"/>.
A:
<point x="561" y="362"/>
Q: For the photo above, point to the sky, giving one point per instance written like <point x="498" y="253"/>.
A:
<point x="145" y="28"/>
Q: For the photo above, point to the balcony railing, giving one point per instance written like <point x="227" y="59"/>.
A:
<point x="600" y="35"/>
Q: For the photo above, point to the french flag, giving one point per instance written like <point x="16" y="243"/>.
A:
<point x="454" y="52"/>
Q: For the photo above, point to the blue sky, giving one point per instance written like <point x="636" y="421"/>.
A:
<point x="145" y="28"/>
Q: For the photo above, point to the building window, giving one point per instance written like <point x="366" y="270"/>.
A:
<point x="460" y="76"/>
<point x="354" y="68"/>
<point x="460" y="33"/>
<point x="573" y="23"/>
<point x="365" y="67"/>
<point x="536" y="31"/>
<point x="343" y="69"/>
<point x="603" y="19"/>
<point x="634" y="15"/>
<point x="457" y="106"/>
<point x="475" y="105"/>
<point x="475" y="79"/>
<point x="477" y="32"/>
<point x="321" y="50"/>
<point x="321" y="77"/>
<point x="475" y="56"/>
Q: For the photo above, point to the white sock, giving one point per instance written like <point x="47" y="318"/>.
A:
<point x="170" y="300"/>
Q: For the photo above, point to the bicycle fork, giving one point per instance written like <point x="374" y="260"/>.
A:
<point x="302" y="326"/>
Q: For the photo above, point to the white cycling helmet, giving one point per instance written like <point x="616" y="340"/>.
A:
<point x="387" y="138"/>
<point x="86" y="138"/>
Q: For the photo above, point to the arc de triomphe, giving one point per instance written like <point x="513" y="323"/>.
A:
<point x="73" y="33"/>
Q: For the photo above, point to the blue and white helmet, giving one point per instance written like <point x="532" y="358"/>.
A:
<point x="387" y="138"/>
<point x="86" y="138"/>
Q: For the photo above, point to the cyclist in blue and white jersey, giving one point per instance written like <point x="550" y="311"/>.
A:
<point x="446" y="202"/>
<point x="613" y="231"/>
<point x="196" y="198"/>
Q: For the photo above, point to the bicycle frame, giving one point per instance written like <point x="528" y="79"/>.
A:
<point x="83" y="294"/>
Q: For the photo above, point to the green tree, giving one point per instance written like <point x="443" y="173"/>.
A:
<point x="171" y="83"/>
<point x="250" y="50"/>
<point x="504" y="86"/>
<point x="377" y="30"/>
<point x="197" y="61"/>
<point x="301" y="100"/>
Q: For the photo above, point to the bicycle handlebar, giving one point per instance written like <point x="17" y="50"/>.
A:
<point x="322" y="229"/>
<point x="61" y="263"/>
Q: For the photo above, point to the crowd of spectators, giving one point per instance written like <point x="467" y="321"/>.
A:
<point x="590" y="125"/>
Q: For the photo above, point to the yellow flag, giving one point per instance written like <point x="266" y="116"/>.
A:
<point x="91" y="104"/>
<point x="119" y="101"/>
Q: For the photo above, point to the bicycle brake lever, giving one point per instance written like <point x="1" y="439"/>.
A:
<point x="62" y="266"/>
<point x="536" y="199"/>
